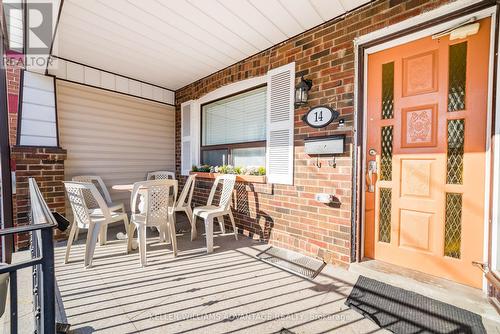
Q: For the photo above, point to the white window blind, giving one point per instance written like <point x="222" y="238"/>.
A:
<point x="237" y="119"/>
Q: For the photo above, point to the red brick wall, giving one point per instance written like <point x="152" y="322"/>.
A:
<point x="288" y="215"/>
<point x="46" y="165"/>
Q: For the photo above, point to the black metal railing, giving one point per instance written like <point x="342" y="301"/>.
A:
<point x="42" y="262"/>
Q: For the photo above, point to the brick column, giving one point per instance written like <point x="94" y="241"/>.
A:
<point x="13" y="74"/>
<point x="46" y="165"/>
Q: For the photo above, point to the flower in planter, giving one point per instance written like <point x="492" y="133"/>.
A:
<point x="229" y="169"/>
<point x="256" y="170"/>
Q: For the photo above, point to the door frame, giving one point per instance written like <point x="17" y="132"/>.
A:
<point x="423" y="25"/>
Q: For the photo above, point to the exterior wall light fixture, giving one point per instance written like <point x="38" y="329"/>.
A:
<point x="301" y="92"/>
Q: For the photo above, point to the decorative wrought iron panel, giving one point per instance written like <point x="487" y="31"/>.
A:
<point x="384" y="229"/>
<point x="455" y="154"/>
<point x="388" y="90"/>
<point x="386" y="154"/>
<point x="457" y="67"/>
<point x="453" y="225"/>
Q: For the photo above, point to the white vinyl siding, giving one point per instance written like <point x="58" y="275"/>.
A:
<point x="237" y="119"/>
<point x="38" y="111"/>
<point x="117" y="137"/>
<point x="280" y="114"/>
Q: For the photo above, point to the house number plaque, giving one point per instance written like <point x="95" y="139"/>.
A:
<point x="320" y="116"/>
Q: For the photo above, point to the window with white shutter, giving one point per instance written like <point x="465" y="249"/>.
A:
<point x="280" y="114"/>
<point x="189" y="136"/>
<point x="234" y="130"/>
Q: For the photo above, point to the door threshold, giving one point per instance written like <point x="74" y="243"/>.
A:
<point x="441" y="289"/>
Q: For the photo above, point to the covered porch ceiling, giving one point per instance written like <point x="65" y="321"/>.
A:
<point x="171" y="43"/>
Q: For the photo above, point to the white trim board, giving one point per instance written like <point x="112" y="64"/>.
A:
<point x="415" y="21"/>
<point x="78" y="73"/>
<point x="425" y="17"/>
<point x="232" y="88"/>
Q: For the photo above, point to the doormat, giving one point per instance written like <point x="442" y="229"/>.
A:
<point x="402" y="311"/>
<point x="293" y="262"/>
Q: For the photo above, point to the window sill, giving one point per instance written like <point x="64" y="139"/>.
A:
<point x="239" y="178"/>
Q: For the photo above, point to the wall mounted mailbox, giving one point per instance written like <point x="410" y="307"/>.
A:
<point x="325" y="145"/>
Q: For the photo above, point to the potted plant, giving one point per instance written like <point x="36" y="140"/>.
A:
<point x="254" y="174"/>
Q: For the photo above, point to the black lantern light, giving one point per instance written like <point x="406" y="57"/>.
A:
<point x="301" y="91"/>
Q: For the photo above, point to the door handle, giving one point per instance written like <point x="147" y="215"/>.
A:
<point x="371" y="175"/>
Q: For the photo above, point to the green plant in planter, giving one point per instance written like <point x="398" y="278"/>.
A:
<point x="202" y="169"/>
<point x="228" y="169"/>
<point x="224" y="169"/>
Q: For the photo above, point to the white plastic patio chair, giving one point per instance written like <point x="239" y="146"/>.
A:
<point x="210" y="212"/>
<point x="95" y="220"/>
<point x="183" y="203"/>
<point x="101" y="187"/>
<point x="157" y="212"/>
<point x="160" y="175"/>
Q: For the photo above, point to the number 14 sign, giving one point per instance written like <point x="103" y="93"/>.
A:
<point x="320" y="116"/>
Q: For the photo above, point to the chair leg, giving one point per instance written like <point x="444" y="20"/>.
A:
<point x="130" y="237"/>
<point x="103" y="235"/>
<point x="92" y="235"/>
<point x="193" y="227"/>
<point x="235" y="230"/>
<point x="173" y="236"/>
<point x="141" y="234"/>
<point x="209" y="232"/>
<point x="126" y="223"/>
<point x="173" y="222"/>
<point x="161" y="233"/>
<point x="166" y="232"/>
<point x="221" y="224"/>
<point x="70" y="241"/>
<point x="189" y="214"/>
<point x="76" y="233"/>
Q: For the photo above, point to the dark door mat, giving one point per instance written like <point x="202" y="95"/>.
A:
<point x="293" y="262"/>
<point x="402" y="311"/>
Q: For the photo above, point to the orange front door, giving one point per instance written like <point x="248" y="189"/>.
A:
<point x="425" y="152"/>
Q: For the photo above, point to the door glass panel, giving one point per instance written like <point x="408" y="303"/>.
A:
<point x="455" y="158"/>
<point x="457" y="67"/>
<point x="384" y="232"/>
<point x="388" y="90"/>
<point x="453" y="225"/>
<point x="386" y="154"/>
